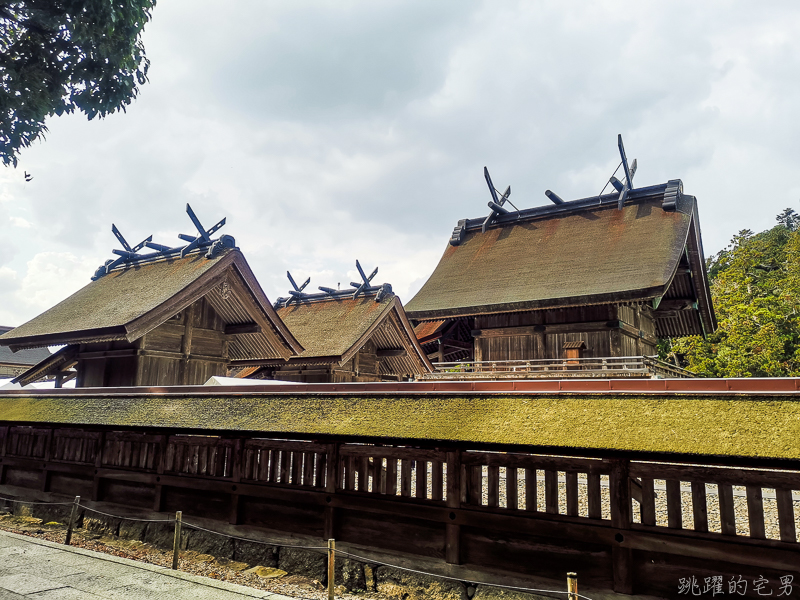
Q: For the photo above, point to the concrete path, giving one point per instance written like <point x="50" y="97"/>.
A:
<point x="34" y="568"/>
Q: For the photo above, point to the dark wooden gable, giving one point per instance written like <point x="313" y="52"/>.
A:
<point x="347" y="339"/>
<point x="191" y="317"/>
<point x="616" y="275"/>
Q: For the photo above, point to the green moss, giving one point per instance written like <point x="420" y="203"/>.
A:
<point x="728" y="426"/>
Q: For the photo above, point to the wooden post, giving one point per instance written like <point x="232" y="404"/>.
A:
<point x="163" y="441"/>
<point x="332" y="472"/>
<point x="621" y="557"/>
<point x="331" y="567"/>
<point x="453" y="500"/>
<point x="236" y="476"/>
<point x="572" y="586"/>
<point x="176" y="544"/>
<point x="72" y="517"/>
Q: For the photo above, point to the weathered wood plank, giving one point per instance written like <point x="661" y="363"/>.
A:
<point x="297" y="467"/>
<point x="391" y="476"/>
<point x="572" y="493"/>
<point x="422" y="480"/>
<point x="531" y="493"/>
<point x="493" y="485"/>
<point x="512" y="489"/>
<point x="578" y="465"/>
<point x="699" y="506"/>
<point x="437" y="481"/>
<point x="551" y="491"/>
<point x="755" y="512"/>
<point x="363" y="474"/>
<point x="308" y="468"/>
<point x="674" y="509"/>
<point x="594" y="496"/>
<point x="648" y="506"/>
<point x="719" y="475"/>
<point x="786" y="524"/>
<point x="727" y="515"/>
<point x="405" y="477"/>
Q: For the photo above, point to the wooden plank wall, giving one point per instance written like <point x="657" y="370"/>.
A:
<point x="632" y="526"/>
<point x="189" y="348"/>
<point x="542" y="334"/>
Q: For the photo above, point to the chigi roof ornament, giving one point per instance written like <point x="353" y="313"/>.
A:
<point x="623" y="188"/>
<point x="364" y="288"/>
<point x="130" y="255"/>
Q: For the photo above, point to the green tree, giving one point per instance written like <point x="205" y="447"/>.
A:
<point x="755" y="286"/>
<point x="57" y="56"/>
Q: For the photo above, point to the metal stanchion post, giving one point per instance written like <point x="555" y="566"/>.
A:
<point x="176" y="545"/>
<point x="72" y="518"/>
<point x="331" y="567"/>
<point x="572" y="586"/>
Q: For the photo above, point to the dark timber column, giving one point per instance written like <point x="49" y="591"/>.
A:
<point x="332" y="470"/>
<point x="453" y="531"/>
<point x="236" y="476"/>
<point x="621" y="557"/>
<point x="186" y="346"/>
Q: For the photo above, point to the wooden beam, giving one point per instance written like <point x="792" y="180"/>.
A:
<point x="387" y="352"/>
<point x="676" y="304"/>
<point x="457" y="343"/>
<point x="241" y="328"/>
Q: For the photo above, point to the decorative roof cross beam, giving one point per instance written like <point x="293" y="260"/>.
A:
<point x="204" y="236"/>
<point x="496" y="203"/>
<point x="364" y="286"/>
<point x="630" y="171"/>
<point x="296" y="295"/>
<point x="127" y="255"/>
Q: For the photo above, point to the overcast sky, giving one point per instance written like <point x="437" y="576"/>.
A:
<point x="333" y="131"/>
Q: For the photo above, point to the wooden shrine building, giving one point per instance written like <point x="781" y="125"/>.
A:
<point x="348" y="336"/>
<point x="16" y="363"/>
<point x="175" y="317"/>
<point x="604" y="276"/>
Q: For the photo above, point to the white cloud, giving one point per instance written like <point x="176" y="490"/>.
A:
<point x="330" y="132"/>
<point x="20" y="222"/>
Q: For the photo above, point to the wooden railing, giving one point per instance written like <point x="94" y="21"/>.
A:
<point x="560" y="368"/>
<point x="634" y="526"/>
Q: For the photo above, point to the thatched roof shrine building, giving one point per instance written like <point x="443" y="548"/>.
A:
<point x="16" y="363"/>
<point x="616" y="272"/>
<point x="169" y="321"/>
<point x="368" y="338"/>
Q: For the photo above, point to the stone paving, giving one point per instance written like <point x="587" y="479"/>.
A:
<point x="34" y="568"/>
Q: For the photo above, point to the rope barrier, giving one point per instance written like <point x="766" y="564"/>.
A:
<point x="126" y="518"/>
<point x="28" y="502"/>
<point x="235" y="537"/>
<point x="283" y="545"/>
<point x="497" y="585"/>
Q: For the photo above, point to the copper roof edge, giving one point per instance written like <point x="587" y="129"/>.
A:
<point x="569" y="207"/>
<point x="732" y="386"/>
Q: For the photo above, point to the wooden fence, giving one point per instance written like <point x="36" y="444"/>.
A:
<point x="557" y="368"/>
<point x="628" y="525"/>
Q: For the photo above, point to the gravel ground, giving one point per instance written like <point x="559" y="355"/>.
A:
<point x="189" y="562"/>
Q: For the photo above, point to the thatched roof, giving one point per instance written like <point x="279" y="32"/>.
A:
<point x="127" y="303"/>
<point x="578" y="253"/>
<point x="333" y="330"/>
<point x="680" y="423"/>
<point x="22" y="358"/>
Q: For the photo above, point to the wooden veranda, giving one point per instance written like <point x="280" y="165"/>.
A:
<point x="618" y="480"/>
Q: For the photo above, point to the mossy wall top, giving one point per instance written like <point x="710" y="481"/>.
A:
<point x="764" y="426"/>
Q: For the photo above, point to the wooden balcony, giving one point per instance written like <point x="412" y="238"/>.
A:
<point x="641" y="367"/>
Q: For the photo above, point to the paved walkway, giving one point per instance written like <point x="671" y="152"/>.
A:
<point x="34" y="568"/>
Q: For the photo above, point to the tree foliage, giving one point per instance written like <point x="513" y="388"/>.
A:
<point x="59" y="56"/>
<point x="755" y="286"/>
